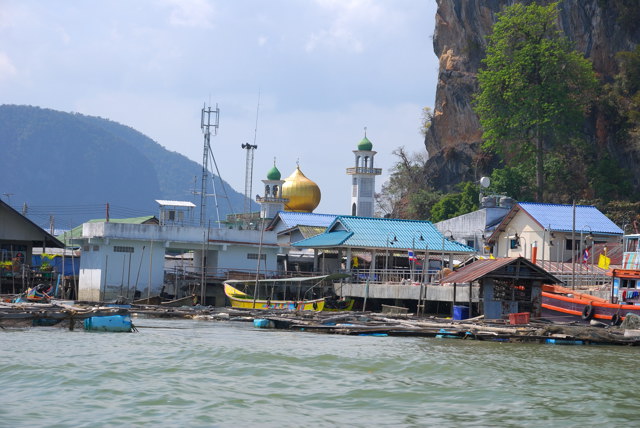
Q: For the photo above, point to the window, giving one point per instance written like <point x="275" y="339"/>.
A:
<point x="354" y="187"/>
<point x="122" y="249"/>
<point x="254" y="256"/>
<point x="96" y="248"/>
<point x="569" y="246"/>
<point x="513" y="244"/>
<point x="86" y="248"/>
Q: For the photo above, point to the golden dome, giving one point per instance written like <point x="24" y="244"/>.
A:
<point x="303" y="194"/>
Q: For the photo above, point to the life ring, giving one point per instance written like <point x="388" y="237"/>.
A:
<point x="587" y="312"/>
<point x="616" y="319"/>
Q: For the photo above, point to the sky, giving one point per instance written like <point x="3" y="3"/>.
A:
<point x="311" y="74"/>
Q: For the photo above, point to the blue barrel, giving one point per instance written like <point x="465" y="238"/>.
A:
<point x="263" y="323"/>
<point x="112" y="323"/>
<point x="460" y="312"/>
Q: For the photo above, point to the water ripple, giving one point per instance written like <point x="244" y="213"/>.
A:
<point x="197" y="373"/>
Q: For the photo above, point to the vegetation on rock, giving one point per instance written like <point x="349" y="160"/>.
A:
<point x="534" y="90"/>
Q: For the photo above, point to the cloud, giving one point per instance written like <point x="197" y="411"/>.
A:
<point x="7" y="69"/>
<point x="350" y="20"/>
<point x="191" y="13"/>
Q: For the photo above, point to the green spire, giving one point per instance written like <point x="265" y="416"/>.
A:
<point x="274" y="173"/>
<point x="365" y="144"/>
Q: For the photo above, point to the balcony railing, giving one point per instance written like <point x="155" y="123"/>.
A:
<point x="361" y="170"/>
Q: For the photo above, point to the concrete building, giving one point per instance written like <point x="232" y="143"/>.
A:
<point x="121" y="259"/>
<point x="473" y="228"/>
<point x="552" y="231"/>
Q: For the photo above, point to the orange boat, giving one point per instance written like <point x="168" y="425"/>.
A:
<point x="563" y="303"/>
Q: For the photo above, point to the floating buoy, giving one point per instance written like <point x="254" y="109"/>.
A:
<point x="112" y="323"/>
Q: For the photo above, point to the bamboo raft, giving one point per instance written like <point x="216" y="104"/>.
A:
<point x="19" y="315"/>
<point x="373" y="324"/>
<point x="346" y="323"/>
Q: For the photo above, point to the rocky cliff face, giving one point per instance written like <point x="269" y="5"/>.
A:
<point x="598" y="28"/>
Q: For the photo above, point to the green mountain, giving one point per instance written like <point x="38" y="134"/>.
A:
<point x="69" y="165"/>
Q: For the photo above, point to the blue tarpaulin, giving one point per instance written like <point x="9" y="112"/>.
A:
<point x="71" y="265"/>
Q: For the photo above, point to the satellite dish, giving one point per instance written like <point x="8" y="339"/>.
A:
<point x="485" y="182"/>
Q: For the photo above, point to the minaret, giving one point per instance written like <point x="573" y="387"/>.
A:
<point x="363" y="182"/>
<point x="272" y="201"/>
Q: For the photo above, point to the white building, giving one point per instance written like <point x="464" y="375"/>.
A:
<point x="120" y="259"/>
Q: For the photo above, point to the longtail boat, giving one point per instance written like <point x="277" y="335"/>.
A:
<point x="299" y="294"/>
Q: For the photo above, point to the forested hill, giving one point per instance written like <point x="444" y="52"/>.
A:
<point x="70" y="165"/>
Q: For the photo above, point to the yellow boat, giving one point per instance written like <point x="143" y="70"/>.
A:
<point x="303" y="287"/>
<point x="242" y="300"/>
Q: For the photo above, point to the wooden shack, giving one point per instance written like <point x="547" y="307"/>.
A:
<point x="507" y="285"/>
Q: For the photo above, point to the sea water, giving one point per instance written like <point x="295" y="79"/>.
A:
<point x="228" y="374"/>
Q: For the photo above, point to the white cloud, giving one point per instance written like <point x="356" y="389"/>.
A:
<point x="7" y="69"/>
<point x="350" y="21"/>
<point x="191" y="13"/>
<point x="262" y="40"/>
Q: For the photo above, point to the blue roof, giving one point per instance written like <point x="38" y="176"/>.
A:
<point x="366" y="232"/>
<point x="560" y="218"/>
<point x="293" y="219"/>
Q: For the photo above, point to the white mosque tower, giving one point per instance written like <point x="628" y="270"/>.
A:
<point x="363" y="183"/>
<point x="273" y="201"/>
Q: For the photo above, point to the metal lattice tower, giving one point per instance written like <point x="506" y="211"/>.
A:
<point x="206" y="125"/>
<point x="248" y="177"/>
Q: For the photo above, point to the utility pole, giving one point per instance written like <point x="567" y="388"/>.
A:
<point x="206" y="125"/>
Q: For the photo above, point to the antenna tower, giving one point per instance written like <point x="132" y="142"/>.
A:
<point x="248" y="176"/>
<point x="206" y="125"/>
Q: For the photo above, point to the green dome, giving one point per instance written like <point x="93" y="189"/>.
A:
<point x="273" y="174"/>
<point x="365" y="144"/>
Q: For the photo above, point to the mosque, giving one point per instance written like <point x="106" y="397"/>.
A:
<point x="297" y="193"/>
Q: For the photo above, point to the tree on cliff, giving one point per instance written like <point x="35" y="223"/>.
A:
<point x="534" y="89"/>
<point x="404" y="195"/>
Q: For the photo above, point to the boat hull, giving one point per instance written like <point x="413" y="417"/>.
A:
<point x="561" y="303"/>
<point x="242" y="300"/>
<point x="348" y="306"/>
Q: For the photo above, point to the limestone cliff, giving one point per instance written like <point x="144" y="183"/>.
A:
<point x="598" y="28"/>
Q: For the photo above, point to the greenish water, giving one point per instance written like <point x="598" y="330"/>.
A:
<point x="226" y="374"/>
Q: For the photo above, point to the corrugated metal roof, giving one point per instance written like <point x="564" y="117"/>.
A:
<point x="484" y="267"/>
<point x="560" y="218"/>
<point x="327" y="239"/>
<point x="175" y="203"/>
<point x="477" y="270"/>
<point x="292" y="219"/>
<point x="384" y="233"/>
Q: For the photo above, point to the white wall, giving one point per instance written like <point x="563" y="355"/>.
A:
<point x="107" y="274"/>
